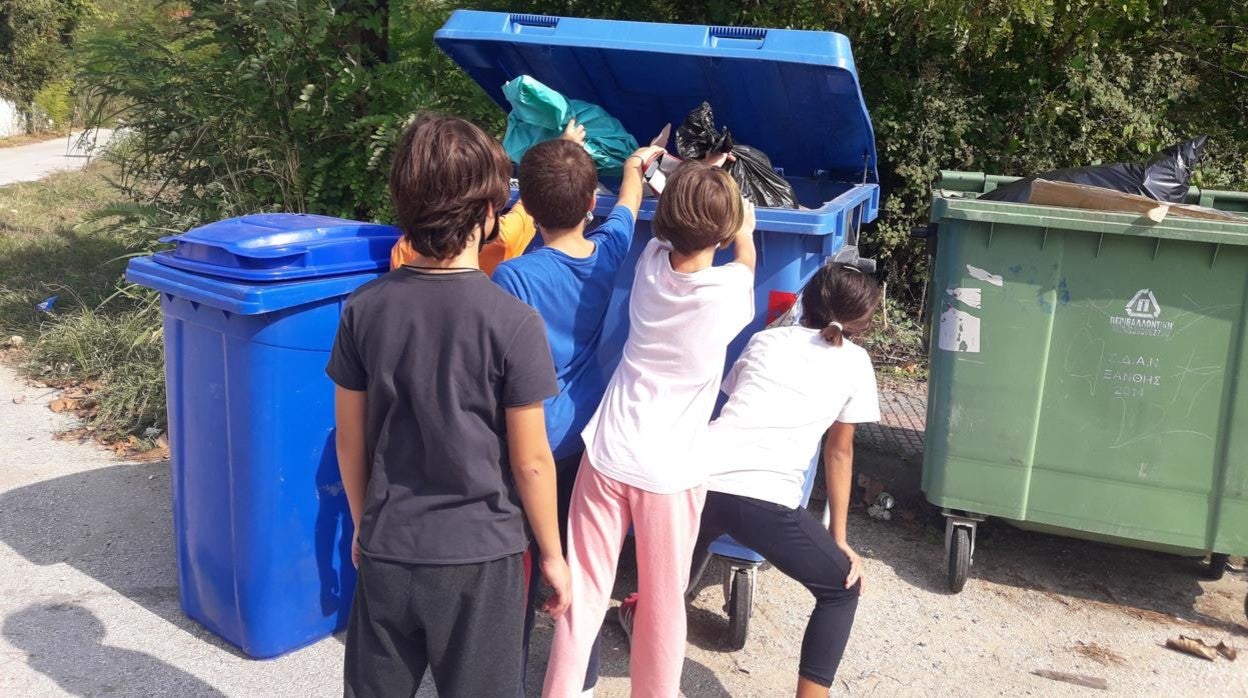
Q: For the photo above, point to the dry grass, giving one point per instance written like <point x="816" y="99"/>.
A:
<point x="28" y="138"/>
<point x="101" y="333"/>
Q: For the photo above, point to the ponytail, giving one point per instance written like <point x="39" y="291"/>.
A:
<point x="833" y="334"/>
<point x="839" y="301"/>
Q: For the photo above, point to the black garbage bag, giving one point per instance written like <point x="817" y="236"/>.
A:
<point x="1163" y="178"/>
<point x="697" y="137"/>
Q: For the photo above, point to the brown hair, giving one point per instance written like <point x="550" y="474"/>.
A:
<point x="700" y="208"/>
<point x="445" y="176"/>
<point x="557" y="183"/>
<point x="839" y="301"/>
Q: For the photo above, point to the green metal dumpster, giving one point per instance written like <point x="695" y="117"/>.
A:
<point x="1089" y="373"/>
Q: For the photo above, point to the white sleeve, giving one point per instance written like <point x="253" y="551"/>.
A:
<point x="740" y="282"/>
<point x="730" y="380"/>
<point x="864" y="401"/>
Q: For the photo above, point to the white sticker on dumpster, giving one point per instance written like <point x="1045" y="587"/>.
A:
<point x="973" y="297"/>
<point x="959" y="331"/>
<point x="985" y="276"/>
<point x="1142" y="317"/>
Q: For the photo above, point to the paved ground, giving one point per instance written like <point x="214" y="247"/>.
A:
<point x="26" y="163"/>
<point x="903" y="414"/>
<point x="88" y="604"/>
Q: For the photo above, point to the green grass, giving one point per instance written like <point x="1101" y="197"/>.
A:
<point x="100" y="330"/>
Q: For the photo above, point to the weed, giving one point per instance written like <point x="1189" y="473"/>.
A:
<point x="101" y="332"/>
<point x="897" y="342"/>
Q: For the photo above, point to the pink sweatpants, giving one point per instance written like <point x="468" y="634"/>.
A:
<point x="666" y="528"/>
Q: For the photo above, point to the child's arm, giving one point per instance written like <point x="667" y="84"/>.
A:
<point x="743" y="242"/>
<point x="632" y="186"/>
<point x="533" y="468"/>
<point x="350" y="408"/>
<point x="838" y="463"/>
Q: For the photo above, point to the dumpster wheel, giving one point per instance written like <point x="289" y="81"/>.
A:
<point x="1217" y="565"/>
<point x="960" y="546"/>
<point x="740" y="592"/>
<point x="959" y="558"/>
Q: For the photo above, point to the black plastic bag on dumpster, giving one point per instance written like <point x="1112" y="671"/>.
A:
<point x="697" y="137"/>
<point x="1162" y="178"/>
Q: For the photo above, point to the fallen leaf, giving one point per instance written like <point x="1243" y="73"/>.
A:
<point x="19" y="399"/>
<point x="1076" y="679"/>
<point x="1192" y="646"/>
<point x="62" y="404"/>
<point x="1227" y="651"/>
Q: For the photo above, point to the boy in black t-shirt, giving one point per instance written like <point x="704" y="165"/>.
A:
<point x="441" y="437"/>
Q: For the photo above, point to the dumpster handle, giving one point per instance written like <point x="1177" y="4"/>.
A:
<point x="739" y="33"/>
<point x="523" y="20"/>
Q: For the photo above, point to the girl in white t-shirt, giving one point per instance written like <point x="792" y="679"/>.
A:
<point x="789" y="387"/>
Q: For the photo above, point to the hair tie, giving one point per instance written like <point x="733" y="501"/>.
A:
<point x="837" y="325"/>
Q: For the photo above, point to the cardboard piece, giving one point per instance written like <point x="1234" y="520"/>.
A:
<point x="1067" y="195"/>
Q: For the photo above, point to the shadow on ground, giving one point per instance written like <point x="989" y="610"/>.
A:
<point x="697" y="680"/>
<point x="114" y="525"/>
<point x="66" y="642"/>
<point x="1145" y="584"/>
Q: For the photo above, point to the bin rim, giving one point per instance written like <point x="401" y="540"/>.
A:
<point x="1099" y="222"/>
<point x="242" y="297"/>
<point x="973" y="182"/>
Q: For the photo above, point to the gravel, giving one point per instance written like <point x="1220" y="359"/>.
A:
<point x="89" y="603"/>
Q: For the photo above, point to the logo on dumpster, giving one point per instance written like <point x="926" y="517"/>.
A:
<point x="1143" y="318"/>
<point x="1144" y="305"/>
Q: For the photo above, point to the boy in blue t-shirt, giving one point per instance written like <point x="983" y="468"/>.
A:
<point x="569" y="282"/>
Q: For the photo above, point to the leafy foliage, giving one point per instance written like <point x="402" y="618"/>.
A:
<point x="1012" y="86"/>
<point x="35" y="38"/>
<point x="274" y="104"/>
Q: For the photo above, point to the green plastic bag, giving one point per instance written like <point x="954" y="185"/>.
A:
<point x="538" y="114"/>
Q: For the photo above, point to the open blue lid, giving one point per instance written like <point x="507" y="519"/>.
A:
<point x="281" y="246"/>
<point x="793" y="94"/>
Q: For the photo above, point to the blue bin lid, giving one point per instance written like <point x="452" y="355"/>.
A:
<point x="793" y="94"/>
<point x="281" y="247"/>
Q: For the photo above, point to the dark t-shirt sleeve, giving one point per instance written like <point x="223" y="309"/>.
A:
<point x="345" y="367"/>
<point x="528" y="370"/>
<point x="615" y="235"/>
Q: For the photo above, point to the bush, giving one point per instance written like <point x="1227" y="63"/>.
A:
<point x="53" y="106"/>
<point x="35" y="38"/>
<point x="288" y="105"/>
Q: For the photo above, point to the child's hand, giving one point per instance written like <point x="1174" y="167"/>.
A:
<point x="855" y="568"/>
<point x="718" y="159"/>
<point x="555" y="572"/>
<point x="644" y="155"/>
<point x="574" y="132"/>
<point x="355" y="549"/>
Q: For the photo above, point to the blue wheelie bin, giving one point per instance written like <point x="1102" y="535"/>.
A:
<point x="793" y="94"/>
<point x="261" y="526"/>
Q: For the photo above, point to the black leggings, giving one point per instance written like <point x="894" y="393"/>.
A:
<point x="797" y="544"/>
<point x="566" y="477"/>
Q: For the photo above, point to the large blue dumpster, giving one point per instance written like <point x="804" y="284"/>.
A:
<point x="793" y="94"/>
<point x="261" y="525"/>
